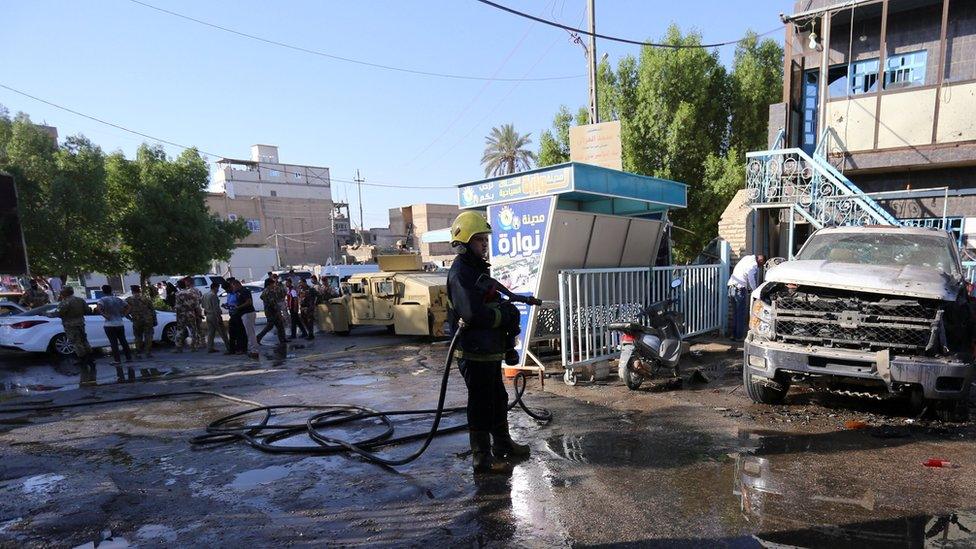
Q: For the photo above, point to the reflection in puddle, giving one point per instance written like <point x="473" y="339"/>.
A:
<point x="41" y="484"/>
<point x="257" y="477"/>
<point x="788" y="504"/>
<point x="639" y="449"/>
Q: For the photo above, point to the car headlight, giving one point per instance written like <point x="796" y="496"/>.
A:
<point x="761" y="319"/>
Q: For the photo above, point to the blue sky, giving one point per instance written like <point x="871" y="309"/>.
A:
<point x="194" y="85"/>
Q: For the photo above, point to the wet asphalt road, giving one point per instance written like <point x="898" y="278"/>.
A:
<point x="694" y="467"/>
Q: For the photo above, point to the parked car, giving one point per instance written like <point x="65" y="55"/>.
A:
<point x="201" y="282"/>
<point x="34" y="331"/>
<point x="867" y="311"/>
<point x="10" y="308"/>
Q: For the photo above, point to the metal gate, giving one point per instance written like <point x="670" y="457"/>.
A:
<point x="590" y="299"/>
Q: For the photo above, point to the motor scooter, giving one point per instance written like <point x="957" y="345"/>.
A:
<point x="645" y="349"/>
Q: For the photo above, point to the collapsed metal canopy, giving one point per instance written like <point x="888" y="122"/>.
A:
<point x="580" y="187"/>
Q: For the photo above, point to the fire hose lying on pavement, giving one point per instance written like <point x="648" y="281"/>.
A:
<point x="269" y="437"/>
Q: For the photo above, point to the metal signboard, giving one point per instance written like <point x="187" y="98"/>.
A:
<point x="597" y="144"/>
<point x="520" y="231"/>
<point x="13" y="253"/>
<point x="516" y="187"/>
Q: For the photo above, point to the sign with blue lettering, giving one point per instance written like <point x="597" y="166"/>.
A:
<point x="516" y="187"/>
<point x="518" y="239"/>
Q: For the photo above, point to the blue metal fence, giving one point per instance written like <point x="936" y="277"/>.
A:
<point x="969" y="267"/>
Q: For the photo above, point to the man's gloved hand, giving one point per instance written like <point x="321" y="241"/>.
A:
<point x="510" y="317"/>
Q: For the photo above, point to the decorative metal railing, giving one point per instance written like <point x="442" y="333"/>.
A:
<point x="792" y="178"/>
<point x="970" y="269"/>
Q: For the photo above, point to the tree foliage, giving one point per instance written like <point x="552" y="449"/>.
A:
<point x="506" y="151"/>
<point x="685" y="117"/>
<point x="84" y="212"/>
<point x="165" y="223"/>
<point x="65" y="213"/>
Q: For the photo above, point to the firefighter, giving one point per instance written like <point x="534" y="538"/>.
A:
<point x="481" y="345"/>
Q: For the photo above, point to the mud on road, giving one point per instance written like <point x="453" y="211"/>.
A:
<point x="700" y="466"/>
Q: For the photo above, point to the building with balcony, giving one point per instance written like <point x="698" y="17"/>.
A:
<point x="877" y="125"/>
<point x="287" y="206"/>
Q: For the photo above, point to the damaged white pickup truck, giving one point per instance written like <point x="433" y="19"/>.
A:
<point x="870" y="311"/>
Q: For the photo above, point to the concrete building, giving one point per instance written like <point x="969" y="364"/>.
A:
<point x="288" y="206"/>
<point x="415" y="220"/>
<point x="877" y="125"/>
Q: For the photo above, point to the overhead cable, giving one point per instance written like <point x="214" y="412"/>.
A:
<point x="349" y="59"/>
<point x="615" y="38"/>
<point x="187" y="147"/>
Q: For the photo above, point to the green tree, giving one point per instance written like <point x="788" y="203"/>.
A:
<point x="506" y="152"/>
<point x="166" y="225"/>
<point x="65" y="211"/>
<point x="554" y="145"/>
<point x="685" y="117"/>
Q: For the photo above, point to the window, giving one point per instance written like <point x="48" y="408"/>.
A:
<point x="296" y="174"/>
<point x="199" y="281"/>
<point x="863" y="76"/>
<point x="274" y="173"/>
<point x="274" y="193"/>
<point x="906" y="69"/>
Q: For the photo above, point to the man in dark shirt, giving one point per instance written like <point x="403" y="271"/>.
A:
<point x="245" y="312"/>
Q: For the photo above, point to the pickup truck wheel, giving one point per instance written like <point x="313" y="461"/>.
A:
<point x="762" y="393"/>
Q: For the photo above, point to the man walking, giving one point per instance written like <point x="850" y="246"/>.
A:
<point x="188" y="316"/>
<point x="270" y="296"/>
<point x="113" y="309"/>
<point x="744" y="279"/>
<point x="235" y="330"/>
<point x="71" y="310"/>
<point x="307" y="301"/>
<point x="293" y="310"/>
<point x="215" y="319"/>
<point x="143" y="317"/>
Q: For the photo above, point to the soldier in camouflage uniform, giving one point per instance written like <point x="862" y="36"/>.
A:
<point x="143" y="317"/>
<point x="272" y="295"/>
<point x="188" y="315"/>
<point x="308" y="299"/>
<point x="71" y="310"/>
<point x="34" y="296"/>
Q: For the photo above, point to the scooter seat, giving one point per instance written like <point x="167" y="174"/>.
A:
<point x="624" y="326"/>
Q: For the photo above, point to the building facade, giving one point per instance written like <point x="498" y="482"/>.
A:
<point x="286" y="206"/>
<point x="415" y="220"/>
<point x="877" y="125"/>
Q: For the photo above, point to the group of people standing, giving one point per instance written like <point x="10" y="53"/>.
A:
<point x="291" y="301"/>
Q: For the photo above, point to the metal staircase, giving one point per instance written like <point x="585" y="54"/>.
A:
<point x="810" y="186"/>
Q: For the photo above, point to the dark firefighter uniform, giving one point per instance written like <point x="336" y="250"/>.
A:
<point x="480" y="349"/>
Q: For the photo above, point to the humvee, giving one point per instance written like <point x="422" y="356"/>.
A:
<point x="401" y="296"/>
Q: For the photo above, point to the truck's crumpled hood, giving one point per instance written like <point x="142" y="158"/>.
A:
<point x="893" y="280"/>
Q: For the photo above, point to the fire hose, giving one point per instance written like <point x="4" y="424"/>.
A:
<point x="267" y="436"/>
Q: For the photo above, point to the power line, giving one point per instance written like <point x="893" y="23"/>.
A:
<point x="348" y="59"/>
<point x="186" y="147"/>
<point x="614" y="38"/>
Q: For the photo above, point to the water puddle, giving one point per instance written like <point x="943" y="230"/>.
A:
<point x="42" y="484"/>
<point x="257" y="477"/>
<point x="634" y="449"/>
<point x="156" y="532"/>
<point x="359" y="381"/>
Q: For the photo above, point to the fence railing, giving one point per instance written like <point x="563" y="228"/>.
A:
<point x="969" y="267"/>
<point x="590" y="299"/>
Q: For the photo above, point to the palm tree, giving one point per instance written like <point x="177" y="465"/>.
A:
<point x="506" y="152"/>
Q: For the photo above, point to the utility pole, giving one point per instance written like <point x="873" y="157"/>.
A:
<point x="594" y="113"/>
<point x="359" y="183"/>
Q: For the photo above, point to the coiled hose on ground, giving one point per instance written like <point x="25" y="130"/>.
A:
<point x="269" y="437"/>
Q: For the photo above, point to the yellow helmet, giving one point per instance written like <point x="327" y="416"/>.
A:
<point x="468" y="224"/>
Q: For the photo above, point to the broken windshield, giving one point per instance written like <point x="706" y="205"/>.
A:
<point x="897" y="250"/>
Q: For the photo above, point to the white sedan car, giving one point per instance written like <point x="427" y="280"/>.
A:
<point x="34" y="331"/>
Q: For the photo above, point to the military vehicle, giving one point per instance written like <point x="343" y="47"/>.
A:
<point x="401" y="296"/>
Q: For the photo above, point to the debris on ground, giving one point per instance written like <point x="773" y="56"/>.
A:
<point x="937" y="462"/>
<point x="855" y="424"/>
<point x="698" y="377"/>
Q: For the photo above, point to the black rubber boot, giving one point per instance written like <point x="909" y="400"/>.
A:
<point x="502" y="445"/>
<point x="481" y="458"/>
<point x="120" y="374"/>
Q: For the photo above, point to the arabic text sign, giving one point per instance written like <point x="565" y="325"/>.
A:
<point x="516" y="187"/>
<point x="597" y="144"/>
<point x="517" y="243"/>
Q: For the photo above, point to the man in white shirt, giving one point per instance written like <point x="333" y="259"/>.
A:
<point x="744" y="279"/>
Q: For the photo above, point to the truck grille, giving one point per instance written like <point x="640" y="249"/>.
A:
<point x="856" y="322"/>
